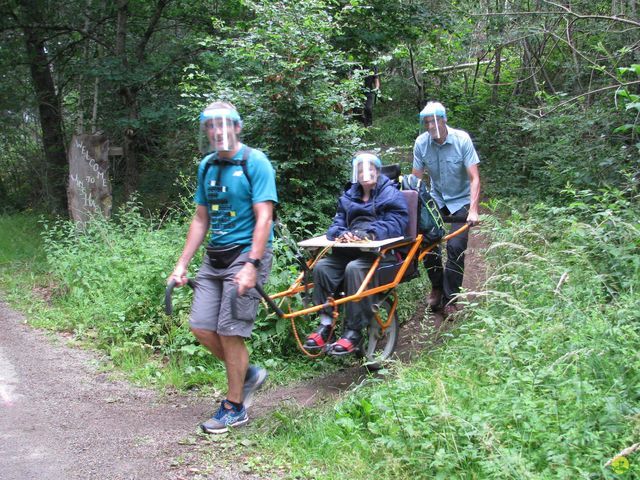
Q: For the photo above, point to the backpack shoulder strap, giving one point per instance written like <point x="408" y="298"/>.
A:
<point x="243" y="163"/>
<point x="207" y="165"/>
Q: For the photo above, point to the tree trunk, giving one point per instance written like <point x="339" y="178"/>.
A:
<point x="418" y="82"/>
<point x="496" y="75"/>
<point x="129" y="99"/>
<point x="574" y="55"/>
<point x="129" y="93"/>
<point x="129" y="149"/>
<point x="55" y="174"/>
<point x="498" y="25"/>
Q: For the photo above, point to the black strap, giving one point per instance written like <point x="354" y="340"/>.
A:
<point x="219" y="163"/>
<point x="242" y="163"/>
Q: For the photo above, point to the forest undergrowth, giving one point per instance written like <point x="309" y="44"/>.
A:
<point x="539" y="378"/>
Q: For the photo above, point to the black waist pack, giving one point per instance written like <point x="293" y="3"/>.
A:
<point x="224" y="255"/>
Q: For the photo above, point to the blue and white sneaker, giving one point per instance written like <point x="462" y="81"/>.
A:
<point x="252" y="382"/>
<point x="227" y="416"/>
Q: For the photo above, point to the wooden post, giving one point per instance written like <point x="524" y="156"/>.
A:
<point x="89" y="190"/>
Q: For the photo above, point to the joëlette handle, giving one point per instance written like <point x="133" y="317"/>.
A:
<point x="168" y="304"/>
<point x="259" y="289"/>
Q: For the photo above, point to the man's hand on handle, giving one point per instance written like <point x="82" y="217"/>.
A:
<point x="473" y="218"/>
<point x="246" y="278"/>
<point x="179" y="275"/>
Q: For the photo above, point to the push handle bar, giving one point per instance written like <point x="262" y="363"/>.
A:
<point x="260" y="290"/>
<point x="168" y="304"/>
<point x="454" y="219"/>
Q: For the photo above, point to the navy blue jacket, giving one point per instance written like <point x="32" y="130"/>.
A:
<point x="386" y="206"/>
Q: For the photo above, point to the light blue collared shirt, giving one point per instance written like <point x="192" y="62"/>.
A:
<point x="446" y="166"/>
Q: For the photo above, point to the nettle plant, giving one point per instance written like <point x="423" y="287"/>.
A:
<point x="631" y="104"/>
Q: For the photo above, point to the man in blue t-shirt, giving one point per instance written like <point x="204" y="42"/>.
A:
<point x="235" y="198"/>
<point x="451" y="161"/>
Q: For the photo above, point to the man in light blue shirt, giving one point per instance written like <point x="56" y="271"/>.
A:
<point x="448" y="156"/>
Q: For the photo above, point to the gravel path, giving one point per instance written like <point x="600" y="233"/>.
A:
<point x="62" y="419"/>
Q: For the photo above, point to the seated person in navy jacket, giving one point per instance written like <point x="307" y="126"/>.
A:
<point x="371" y="209"/>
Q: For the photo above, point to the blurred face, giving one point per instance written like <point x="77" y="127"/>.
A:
<point x="222" y="134"/>
<point x="369" y="177"/>
<point x="436" y="126"/>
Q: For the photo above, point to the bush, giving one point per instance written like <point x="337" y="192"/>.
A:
<point x="114" y="275"/>
<point x="539" y="381"/>
<point x="290" y="85"/>
<point x="540" y="157"/>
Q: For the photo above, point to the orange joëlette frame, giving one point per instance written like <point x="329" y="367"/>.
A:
<point x="363" y="291"/>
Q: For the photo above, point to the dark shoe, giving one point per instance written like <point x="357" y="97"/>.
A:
<point x="319" y="339"/>
<point x="434" y="300"/>
<point x="252" y="382"/>
<point x="451" y="310"/>
<point x="226" y="417"/>
<point x="347" y="344"/>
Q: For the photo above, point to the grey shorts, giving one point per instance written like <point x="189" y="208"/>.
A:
<point x="211" y="307"/>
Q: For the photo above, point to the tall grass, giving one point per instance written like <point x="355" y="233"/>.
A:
<point x="106" y="286"/>
<point x="540" y="380"/>
<point x="20" y="239"/>
<point x="22" y="259"/>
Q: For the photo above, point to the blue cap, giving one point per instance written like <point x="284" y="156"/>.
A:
<point x="366" y="156"/>
<point x="211" y="113"/>
<point x="433" y="109"/>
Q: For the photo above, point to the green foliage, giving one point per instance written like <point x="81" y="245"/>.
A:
<point x="113" y="276"/>
<point x="20" y="241"/>
<point x="539" y="381"/>
<point x="542" y="155"/>
<point x="292" y="89"/>
<point x="631" y="104"/>
<point x="20" y="181"/>
<point x="370" y="27"/>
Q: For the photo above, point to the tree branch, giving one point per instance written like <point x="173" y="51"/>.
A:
<point x="551" y="13"/>
<point x="613" y="18"/>
<point x="153" y="22"/>
<point x="591" y="92"/>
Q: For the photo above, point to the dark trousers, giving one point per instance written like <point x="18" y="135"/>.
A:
<point x="367" y="111"/>
<point x="331" y="271"/>
<point x="449" y="280"/>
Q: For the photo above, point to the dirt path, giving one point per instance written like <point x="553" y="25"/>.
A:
<point x="61" y="418"/>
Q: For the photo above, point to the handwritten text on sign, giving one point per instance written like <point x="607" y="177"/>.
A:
<point x="89" y="185"/>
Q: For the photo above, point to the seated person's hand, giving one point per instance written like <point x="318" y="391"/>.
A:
<point x="346" y="237"/>
<point x="355" y="236"/>
<point x="362" y="235"/>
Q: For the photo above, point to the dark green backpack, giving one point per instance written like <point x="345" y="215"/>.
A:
<point x="430" y="223"/>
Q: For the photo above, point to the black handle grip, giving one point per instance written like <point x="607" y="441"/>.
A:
<point x="259" y="289"/>
<point x="270" y="302"/>
<point x="168" y="304"/>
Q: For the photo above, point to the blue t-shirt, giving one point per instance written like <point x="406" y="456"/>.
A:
<point x="230" y="201"/>
<point x="447" y="166"/>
